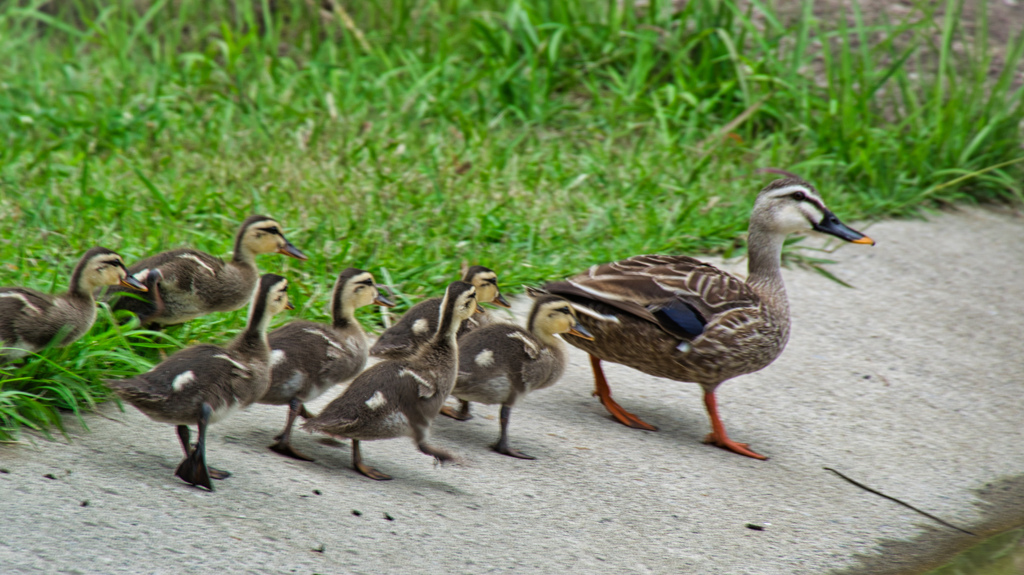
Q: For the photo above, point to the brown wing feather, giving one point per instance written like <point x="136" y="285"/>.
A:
<point x="653" y="280"/>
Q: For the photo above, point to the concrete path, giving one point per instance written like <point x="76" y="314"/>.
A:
<point x="912" y="383"/>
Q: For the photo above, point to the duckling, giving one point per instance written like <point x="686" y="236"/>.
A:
<point x="203" y="384"/>
<point x="419" y="324"/>
<point x="185" y="283"/>
<point x="679" y="318"/>
<point x="500" y="363"/>
<point x="31" y="320"/>
<point x="401" y="397"/>
<point x="307" y="359"/>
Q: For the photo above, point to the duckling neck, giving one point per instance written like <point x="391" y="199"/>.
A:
<point x="764" y="252"/>
<point x="79" y="290"/>
<point x="446" y="332"/>
<point x="242" y="255"/>
<point x="343" y="315"/>
<point x="254" y="338"/>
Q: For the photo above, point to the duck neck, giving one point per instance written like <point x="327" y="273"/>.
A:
<point x="242" y="255"/>
<point x="79" y="289"/>
<point x="254" y="338"/>
<point x="764" y="252"/>
<point x="447" y="329"/>
<point x="343" y="314"/>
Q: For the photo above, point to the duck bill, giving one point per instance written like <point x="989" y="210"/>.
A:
<point x="289" y="250"/>
<point x="383" y="301"/>
<point x="131" y="282"/>
<point x="831" y="225"/>
<point x="386" y="288"/>
<point x="480" y="309"/>
<point x="580" y="331"/>
<point x="289" y="306"/>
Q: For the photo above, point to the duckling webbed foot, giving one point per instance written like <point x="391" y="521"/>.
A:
<point x="502" y="445"/>
<point x="285" y="448"/>
<point x="358" y="465"/>
<point x="462" y="415"/>
<point x="718" y="437"/>
<point x="604" y="392"/>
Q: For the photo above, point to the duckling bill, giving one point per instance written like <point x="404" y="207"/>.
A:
<point x="205" y="383"/>
<point x="400" y="398"/>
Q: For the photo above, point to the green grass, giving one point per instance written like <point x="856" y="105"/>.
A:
<point x="535" y="137"/>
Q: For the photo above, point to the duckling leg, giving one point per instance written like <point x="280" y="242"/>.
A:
<point x="718" y="437"/>
<point x="357" y="463"/>
<point x="462" y="414"/>
<point x="193" y="468"/>
<point x="283" y="442"/>
<point x="502" y="445"/>
<point x="442" y="456"/>
<point x="604" y="392"/>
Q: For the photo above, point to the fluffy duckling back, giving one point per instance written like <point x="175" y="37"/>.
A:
<point x="397" y="398"/>
<point x="205" y="383"/>
<point x="308" y="358"/>
<point x="185" y="283"/>
<point x="501" y="363"/>
<point x="419" y="324"/>
<point x="30" y="320"/>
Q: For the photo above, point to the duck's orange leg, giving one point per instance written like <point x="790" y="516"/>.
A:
<point x="602" y="390"/>
<point x="718" y="437"/>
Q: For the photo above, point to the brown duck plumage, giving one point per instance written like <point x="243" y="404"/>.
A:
<point x="679" y="318"/>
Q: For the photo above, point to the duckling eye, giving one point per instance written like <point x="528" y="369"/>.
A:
<point x="799" y="196"/>
<point x="564" y="310"/>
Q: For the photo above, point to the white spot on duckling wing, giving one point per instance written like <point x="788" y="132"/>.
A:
<point x="426" y="388"/>
<point x="198" y="261"/>
<point x="420" y="326"/>
<point x="485" y="358"/>
<point x="376" y="401"/>
<point x="182" y="380"/>
<point x="244" y="369"/>
<point x="24" y="300"/>
<point x="142" y="276"/>
<point x="277" y="357"/>
<point x="529" y="347"/>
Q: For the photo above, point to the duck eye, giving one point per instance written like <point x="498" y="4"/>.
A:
<point x="799" y="196"/>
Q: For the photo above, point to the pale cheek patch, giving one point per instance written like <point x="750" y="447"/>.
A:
<point x="182" y="380"/>
<point x="485" y="358"/>
<point x="420" y="326"/>
<point x="376" y="401"/>
<point x="277" y="357"/>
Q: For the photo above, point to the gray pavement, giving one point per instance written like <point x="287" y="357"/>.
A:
<point x="912" y="383"/>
